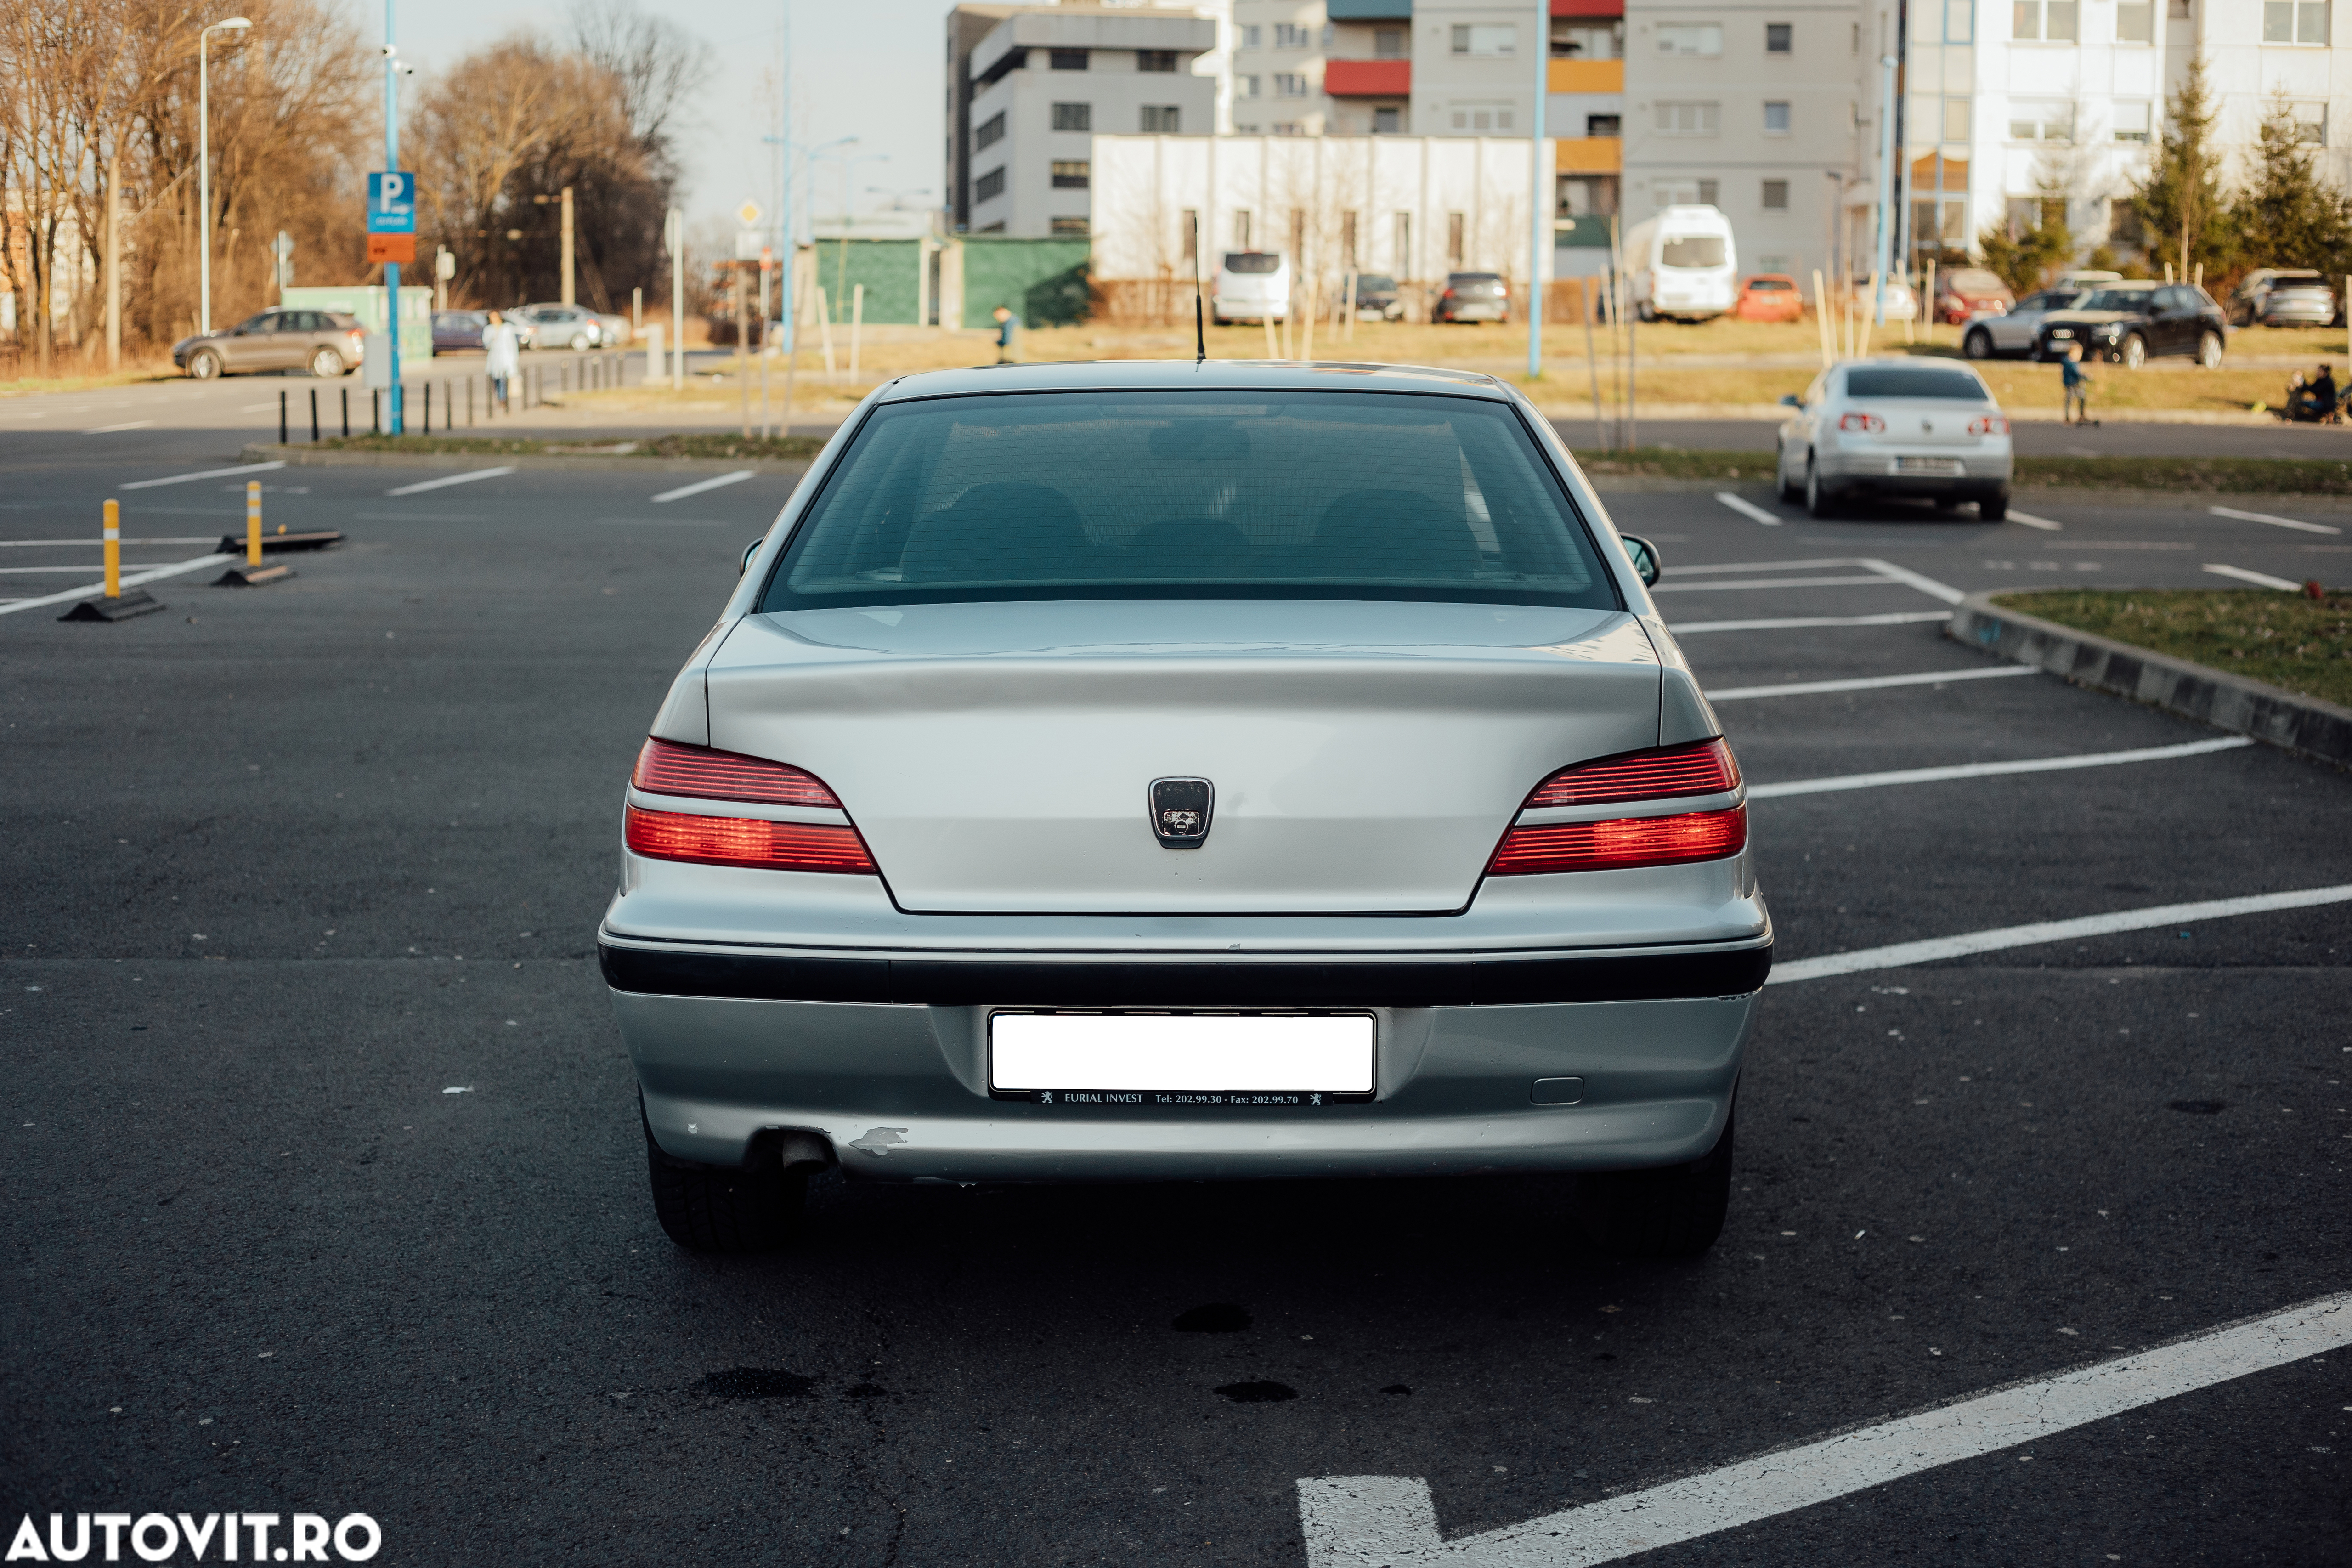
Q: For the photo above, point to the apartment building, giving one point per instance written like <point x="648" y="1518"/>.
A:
<point x="1030" y="85"/>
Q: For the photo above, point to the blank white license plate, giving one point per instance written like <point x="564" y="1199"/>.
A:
<point x="1181" y="1052"/>
<point x="1948" y="466"/>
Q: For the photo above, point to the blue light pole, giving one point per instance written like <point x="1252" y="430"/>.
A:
<point x="392" y="166"/>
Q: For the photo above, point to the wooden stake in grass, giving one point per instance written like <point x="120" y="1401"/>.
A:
<point x="1822" y="328"/>
<point x="824" y="330"/>
<point x="856" y="326"/>
<point x="1313" y="303"/>
<point x="1592" y="365"/>
<point x="1271" y="351"/>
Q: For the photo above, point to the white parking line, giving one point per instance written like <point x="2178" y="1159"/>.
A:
<point x="737" y="478"/>
<point x="1872" y="682"/>
<point x="2259" y="579"/>
<point x="1357" y="1522"/>
<point x="1740" y="582"/>
<point x="255" y="407"/>
<point x="1748" y="509"/>
<point x="1903" y="954"/>
<point x="93" y="543"/>
<point x="1927" y="585"/>
<point x="114" y="429"/>
<point x="241" y="469"/>
<point x="1992" y="770"/>
<point x="1898" y="619"/>
<point x="2274" y="520"/>
<point x="449" y="480"/>
<point x="95" y="589"/>
<point x="85" y="571"/>
<point x="2030" y="521"/>
<point x="1767" y="566"/>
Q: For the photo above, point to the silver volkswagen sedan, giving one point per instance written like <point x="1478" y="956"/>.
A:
<point x="1148" y="771"/>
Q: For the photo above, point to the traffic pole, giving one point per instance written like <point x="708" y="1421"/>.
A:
<point x="253" y="523"/>
<point x="114" y="550"/>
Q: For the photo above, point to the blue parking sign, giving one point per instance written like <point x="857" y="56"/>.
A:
<point x="391" y="202"/>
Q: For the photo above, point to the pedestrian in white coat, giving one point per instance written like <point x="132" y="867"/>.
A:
<point x="504" y="346"/>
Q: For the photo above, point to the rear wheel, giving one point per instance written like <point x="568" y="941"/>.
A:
<point x="1978" y="344"/>
<point x="326" y="363"/>
<point x="1676" y="1212"/>
<point x="204" y="364"/>
<point x="721" y="1208"/>
<point x="2209" y="350"/>
<point x="1820" y="500"/>
<point x="2134" y="352"/>
<point x="1994" y="508"/>
<point x="1786" y="488"/>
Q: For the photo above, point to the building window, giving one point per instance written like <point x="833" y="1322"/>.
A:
<point x="1069" y="59"/>
<point x="1455" y="224"/>
<point x="1250" y="35"/>
<point x="1482" y="116"/>
<point x="2295" y="21"/>
<point x="1589" y="40"/>
<point x="1776" y="119"/>
<point x="1347" y="239"/>
<point x="1957" y="120"/>
<point x="2131" y="121"/>
<point x="2310" y="121"/>
<point x="1289" y="84"/>
<point x="1241" y="230"/>
<point x="2053" y="21"/>
<point x="1779" y="37"/>
<point x="1776" y="195"/>
<point x="1191" y="234"/>
<point x="991" y="131"/>
<point x="2134" y="22"/>
<point x="2178" y="11"/>
<point x="1689" y="119"/>
<point x="1387" y="44"/>
<point x="2123" y="222"/>
<point x="1388" y="120"/>
<point x="1163" y="119"/>
<point x="1287" y="36"/>
<point x="1066" y="225"/>
<point x="1959" y="21"/>
<point x="1685" y="192"/>
<point x="2046" y="120"/>
<point x="1245" y="87"/>
<point x="1155" y="59"/>
<point x="1074" y="117"/>
<point x="1071" y="173"/>
<point x="1604" y="125"/>
<point x="988" y="186"/>
<point x="1489" y="40"/>
<point x="1688" y="37"/>
<point x="1290" y="128"/>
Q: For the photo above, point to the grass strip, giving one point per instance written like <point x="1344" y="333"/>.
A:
<point x="2188" y="476"/>
<point x="716" y="445"/>
<point x="2287" y="640"/>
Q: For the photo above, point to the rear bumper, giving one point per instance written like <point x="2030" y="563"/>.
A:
<point x="1876" y="472"/>
<point x="887" y="1057"/>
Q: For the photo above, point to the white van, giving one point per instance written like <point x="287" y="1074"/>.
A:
<point x="1683" y="264"/>
<point x="1252" y="286"/>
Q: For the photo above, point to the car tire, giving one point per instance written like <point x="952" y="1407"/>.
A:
<point x="1994" y="508"/>
<point x="1978" y="344"/>
<point x="2209" y="350"/>
<point x="1644" y="309"/>
<point x="2133" y="354"/>
<point x="1820" y="500"/>
<point x="724" y="1209"/>
<point x="326" y="363"/>
<point x="1787" y="490"/>
<point x="1674" y="1212"/>
<point x="203" y="366"/>
<point x="579" y="342"/>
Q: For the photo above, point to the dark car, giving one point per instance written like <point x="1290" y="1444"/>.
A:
<point x="1473" y="297"/>
<point x="2283" y="297"/>
<point x="324" y="342"/>
<point x="2131" y="324"/>
<point x="1377" y="298"/>
<point x="456" y="331"/>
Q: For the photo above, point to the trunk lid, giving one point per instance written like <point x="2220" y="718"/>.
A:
<point x="1365" y="756"/>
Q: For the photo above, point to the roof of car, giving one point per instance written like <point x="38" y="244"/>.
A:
<point x="1146" y="374"/>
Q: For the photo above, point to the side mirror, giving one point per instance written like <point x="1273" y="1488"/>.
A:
<point x="750" y="551"/>
<point x="1790" y="400"/>
<point x="1646" y="565"/>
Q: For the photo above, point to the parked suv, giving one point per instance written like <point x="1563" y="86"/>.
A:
<point x="2283" y="297"/>
<point x="324" y="342"/>
<point x="2017" y="329"/>
<point x="570" y="327"/>
<point x="1964" y="293"/>
<point x="1473" y="297"/>
<point x="1377" y="298"/>
<point x="2131" y="324"/>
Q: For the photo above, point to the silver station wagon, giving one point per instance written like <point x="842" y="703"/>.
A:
<point x="1159" y="771"/>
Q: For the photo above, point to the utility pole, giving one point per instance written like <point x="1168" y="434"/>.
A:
<point x="1883" y="251"/>
<point x="204" y="170"/>
<point x="674" y="238"/>
<point x="567" y="245"/>
<point x="1539" y="200"/>
<point x="396" y="423"/>
<point x="114" y="262"/>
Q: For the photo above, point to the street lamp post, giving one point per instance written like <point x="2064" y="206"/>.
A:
<point x="788" y="232"/>
<point x="396" y="408"/>
<point x="204" y="169"/>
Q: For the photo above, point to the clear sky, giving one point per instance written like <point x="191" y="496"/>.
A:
<point x="867" y="68"/>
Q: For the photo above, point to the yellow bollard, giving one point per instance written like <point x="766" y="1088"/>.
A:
<point x="253" y="523"/>
<point x="114" y="550"/>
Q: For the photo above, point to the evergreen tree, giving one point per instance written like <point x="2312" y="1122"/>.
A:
<point x="2180" y="202"/>
<point x="2290" y="214"/>
<point x="2025" y="258"/>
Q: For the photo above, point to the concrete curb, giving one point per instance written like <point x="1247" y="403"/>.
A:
<point x="306" y="457"/>
<point x="2284" y="719"/>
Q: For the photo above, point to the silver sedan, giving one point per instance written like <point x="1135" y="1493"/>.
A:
<point x="1137" y="771"/>
<point x="1896" y="427"/>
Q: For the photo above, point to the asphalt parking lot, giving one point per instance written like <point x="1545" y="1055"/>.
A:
<point x="325" y="1191"/>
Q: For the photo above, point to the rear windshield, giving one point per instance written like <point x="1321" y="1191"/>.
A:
<point x="1253" y="261"/>
<point x="1903" y="382"/>
<point x="1692" y="250"/>
<point x="1375" y="283"/>
<point x="1190" y="495"/>
<point x="1976" y="280"/>
<point x="2118" y="300"/>
<point x="1763" y="285"/>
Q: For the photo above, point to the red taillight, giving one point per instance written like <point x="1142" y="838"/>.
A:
<point x="1990" y="424"/>
<point x="665" y="767"/>
<point x="1621" y="843"/>
<point x="745" y="841"/>
<point x="1868" y="424"/>
<point x="1708" y="768"/>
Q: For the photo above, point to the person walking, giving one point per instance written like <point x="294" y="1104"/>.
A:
<point x="1008" y="335"/>
<point x="2078" y="387"/>
<point x="503" y="346"/>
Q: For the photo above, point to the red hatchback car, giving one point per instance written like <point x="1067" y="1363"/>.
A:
<point x="1966" y="291"/>
<point x="1769" y="296"/>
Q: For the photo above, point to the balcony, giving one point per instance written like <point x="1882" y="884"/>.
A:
<point x="1369" y="78"/>
<point x="1375" y="10"/>
<point x="1586" y="76"/>
<point x="1587" y="155"/>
